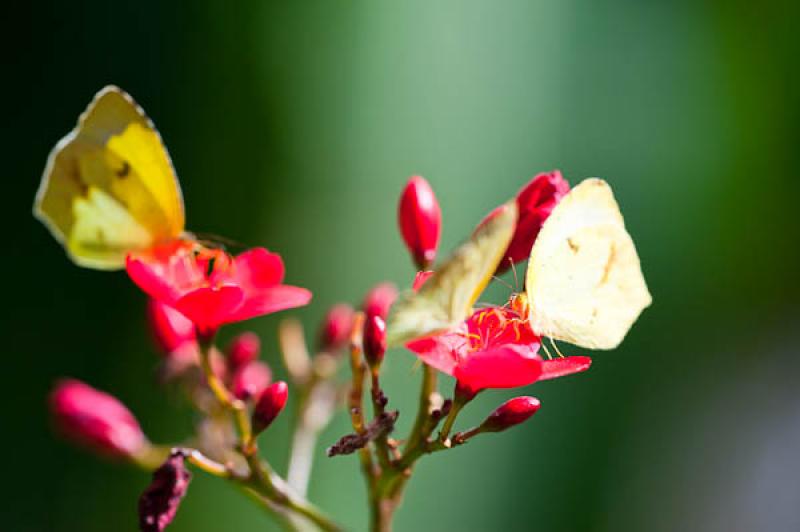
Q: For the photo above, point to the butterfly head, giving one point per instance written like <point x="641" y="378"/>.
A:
<point x="519" y="304"/>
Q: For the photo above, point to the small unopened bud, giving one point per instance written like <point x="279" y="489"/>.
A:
<point x="96" y="420"/>
<point x="269" y="405"/>
<point x="535" y="201"/>
<point x="512" y="412"/>
<point x="379" y="300"/>
<point x="243" y="349"/>
<point x="420" y="221"/>
<point x="169" y="328"/>
<point x="251" y="379"/>
<point x="336" y="327"/>
<point x="374" y="340"/>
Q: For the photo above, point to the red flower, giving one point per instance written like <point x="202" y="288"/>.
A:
<point x="535" y="202"/>
<point x="210" y="287"/>
<point x="493" y="348"/>
<point x="420" y="221"/>
<point x="95" y="419"/>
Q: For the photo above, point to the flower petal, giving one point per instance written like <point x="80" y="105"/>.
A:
<point x="165" y="272"/>
<point x="269" y="300"/>
<point x="561" y="367"/>
<point x="149" y="279"/>
<point x="258" y="268"/>
<point x="508" y="366"/>
<point x="442" y="351"/>
<point x="209" y="307"/>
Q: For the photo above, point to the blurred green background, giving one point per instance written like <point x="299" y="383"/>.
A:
<point x="294" y="125"/>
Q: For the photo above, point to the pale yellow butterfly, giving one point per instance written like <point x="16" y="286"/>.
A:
<point x="446" y="299"/>
<point x="584" y="283"/>
<point x="109" y="187"/>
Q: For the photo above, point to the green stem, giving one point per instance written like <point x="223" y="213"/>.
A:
<point x="261" y="480"/>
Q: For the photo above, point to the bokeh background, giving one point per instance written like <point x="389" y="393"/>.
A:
<point x="295" y="125"/>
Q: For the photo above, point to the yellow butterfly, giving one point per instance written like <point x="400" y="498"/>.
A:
<point x="446" y="299"/>
<point x="109" y="187"/>
<point x="584" y="284"/>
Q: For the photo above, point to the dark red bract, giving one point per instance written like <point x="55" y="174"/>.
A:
<point x="159" y="502"/>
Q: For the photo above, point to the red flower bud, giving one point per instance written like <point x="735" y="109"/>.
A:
<point x="374" y="340"/>
<point x="251" y="379"/>
<point x="379" y="300"/>
<point x="535" y="202"/>
<point x="244" y="349"/>
<point x="95" y="420"/>
<point x="170" y="328"/>
<point x="420" y="221"/>
<point x="336" y="327"/>
<point x="269" y="405"/>
<point x="512" y="412"/>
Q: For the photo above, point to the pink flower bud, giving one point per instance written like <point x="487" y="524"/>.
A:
<point x="170" y="328"/>
<point x="251" y="379"/>
<point x="269" y="405"/>
<point x="512" y="412"/>
<point x="374" y="340"/>
<point x="243" y="349"/>
<point x="420" y="221"/>
<point x="379" y="300"/>
<point x="95" y="420"/>
<point x="336" y="327"/>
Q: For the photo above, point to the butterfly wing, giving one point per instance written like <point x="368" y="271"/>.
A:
<point x="446" y="299"/>
<point x="109" y="186"/>
<point x="584" y="282"/>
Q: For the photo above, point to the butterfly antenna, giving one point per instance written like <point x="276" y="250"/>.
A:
<point x="496" y="278"/>
<point x="553" y="343"/>
<point x="415" y="367"/>
<point x="516" y="280"/>
<point x="549" y="356"/>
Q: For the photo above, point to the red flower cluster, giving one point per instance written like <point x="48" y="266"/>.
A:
<point x="210" y="287"/>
